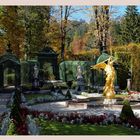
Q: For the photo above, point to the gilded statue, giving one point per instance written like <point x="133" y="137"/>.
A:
<point x="108" y="89"/>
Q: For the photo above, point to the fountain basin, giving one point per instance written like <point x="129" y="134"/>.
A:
<point x="109" y="101"/>
<point x="78" y="105"/>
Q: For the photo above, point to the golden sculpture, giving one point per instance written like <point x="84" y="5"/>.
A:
<point x="108" y="89"/>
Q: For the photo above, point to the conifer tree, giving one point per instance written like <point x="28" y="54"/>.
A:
<point x="131" y="26"/>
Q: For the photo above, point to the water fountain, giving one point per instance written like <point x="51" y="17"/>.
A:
<point x="92" y="102"/>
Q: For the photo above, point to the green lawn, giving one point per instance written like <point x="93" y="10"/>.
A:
<point x="120" y="96"/>
<point x="57" y="128"/>
<point x="33" y="96"/>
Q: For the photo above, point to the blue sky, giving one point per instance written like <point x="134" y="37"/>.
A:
<point x="86" y="15"/>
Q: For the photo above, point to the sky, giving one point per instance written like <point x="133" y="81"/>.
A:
<point x="120" y="11"/>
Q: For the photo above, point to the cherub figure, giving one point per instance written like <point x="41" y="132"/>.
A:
<point x="108" y="89"/>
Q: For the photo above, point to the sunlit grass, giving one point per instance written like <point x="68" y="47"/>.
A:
<point x="121" y="96"/>
<point x="33" y="96"/>
<point x="57" y="128"/>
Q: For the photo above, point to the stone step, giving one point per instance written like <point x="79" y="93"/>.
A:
<point x="2" y="106"/>
<point x="5" y="95"/>
<point x="4" y="100"/>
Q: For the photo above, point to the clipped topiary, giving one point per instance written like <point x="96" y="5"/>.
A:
<point x="68" y="95"/>
<point x="60" y="91"/>
<point x="127" y="112"/>
<point x="15" y="108"/>
<point x="12" y="128"/>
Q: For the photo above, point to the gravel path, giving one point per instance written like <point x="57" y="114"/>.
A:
<point x="61" y="107"/>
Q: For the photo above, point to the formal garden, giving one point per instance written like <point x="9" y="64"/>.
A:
<point x="60" y="76"/>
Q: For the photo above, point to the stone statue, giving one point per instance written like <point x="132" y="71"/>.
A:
<point x="36" y="71"/>
<point x="79" y="72"/>
<point x="35" y="76"/>
<point x="110" y="77"/>
<point x="25" y="57"/>
<point x="80" y="79"/>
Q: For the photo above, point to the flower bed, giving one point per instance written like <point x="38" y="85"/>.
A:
<point x="134" y="95"/>
<point x="133" y="92"/>
<point x="76" y="118"/>
<point x="26" y="127"/>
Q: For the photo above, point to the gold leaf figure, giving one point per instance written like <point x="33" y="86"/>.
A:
<point x="108" y="89"/>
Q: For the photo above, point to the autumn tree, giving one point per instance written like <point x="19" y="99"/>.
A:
<point x="101" y="26"/>
<point x="13" y="28"/>
<point x="64" y="13"/>
<point x="2" y="33"/>
<point x="53" y="34"/>
<point x="77" y="44"/>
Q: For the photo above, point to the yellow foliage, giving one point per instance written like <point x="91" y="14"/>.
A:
<point x="125" y="48"/>
<point x="15" y="33"/>
<point x="90" y="52"/>
<point x="83" y="55"/>
<point x="53" y="34"/>
<point x="133" y="52"/>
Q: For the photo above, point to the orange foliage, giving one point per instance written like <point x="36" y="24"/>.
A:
<point x="83" y="55"/>
<point x="2" y="46"/>
<point x="78" y="45"/>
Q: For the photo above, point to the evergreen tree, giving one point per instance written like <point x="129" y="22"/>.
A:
<point x="116" y="33"/>
<point x="127" y="112"/>
<point x="131" y="26"/>
<point x="37" y="24"/>
<point x="12" y="128"/>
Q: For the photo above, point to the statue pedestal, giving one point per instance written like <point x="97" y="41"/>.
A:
<point x="35" y="84"/>
<point x="81" y="84"/>
<point x="109" y="101"/>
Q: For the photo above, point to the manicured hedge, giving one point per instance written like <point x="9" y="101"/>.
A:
<point x="68" y="70"/>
